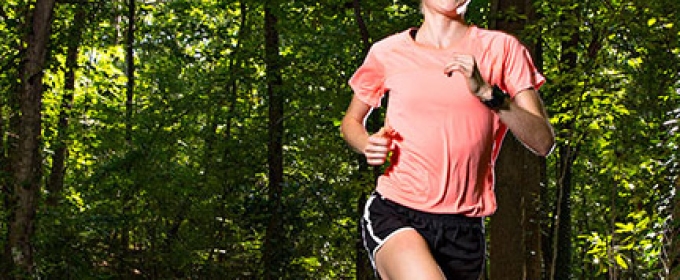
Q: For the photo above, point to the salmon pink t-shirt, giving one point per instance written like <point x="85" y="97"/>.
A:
<point x="446" y="141"/>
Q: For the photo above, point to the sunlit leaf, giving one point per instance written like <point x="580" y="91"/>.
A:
<point x="651" y="21"/>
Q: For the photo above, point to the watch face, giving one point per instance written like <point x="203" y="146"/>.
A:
<point x="498" y="98"/>
<point x="497" y="92"/>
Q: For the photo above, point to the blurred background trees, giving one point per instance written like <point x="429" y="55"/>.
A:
<point x="182" y="139"/>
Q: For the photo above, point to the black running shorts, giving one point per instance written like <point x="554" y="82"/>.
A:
<point x="456" y="241"/>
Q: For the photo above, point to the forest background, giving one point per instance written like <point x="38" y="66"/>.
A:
<point x="198" y="139"/>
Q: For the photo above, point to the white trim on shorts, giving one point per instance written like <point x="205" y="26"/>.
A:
<point x="369" y="228"/>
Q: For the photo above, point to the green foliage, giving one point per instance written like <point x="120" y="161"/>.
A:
<point x="186" y="195"/>
<point x="619" y="96"/>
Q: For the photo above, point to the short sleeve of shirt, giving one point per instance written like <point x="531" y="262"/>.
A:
<point x="519" y="71"/>
<point x="368" y="82"/>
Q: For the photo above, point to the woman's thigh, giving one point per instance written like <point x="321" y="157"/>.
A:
<point x="406" y="255"/>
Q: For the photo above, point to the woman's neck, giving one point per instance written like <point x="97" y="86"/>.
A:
<point x="441" y="33"/>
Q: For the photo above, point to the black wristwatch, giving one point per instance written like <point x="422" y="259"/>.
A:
<point x="497" y="100"/>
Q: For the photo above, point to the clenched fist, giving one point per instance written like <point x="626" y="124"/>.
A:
<point x="379" y="146"/>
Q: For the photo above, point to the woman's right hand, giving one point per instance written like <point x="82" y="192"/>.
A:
<point x="379" y="146"/>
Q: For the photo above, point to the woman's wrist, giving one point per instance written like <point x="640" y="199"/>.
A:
<point x="494" y="98"/>
<point x="484" y="92"/>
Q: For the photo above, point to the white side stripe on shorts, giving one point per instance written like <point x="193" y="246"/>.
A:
<point x="369" y="228"/>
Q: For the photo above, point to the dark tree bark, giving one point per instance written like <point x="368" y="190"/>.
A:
<point x="364" y="269"/>
<point x="55" y="182"/>
<point x="130" y="71"/>
<point x="559" y="266"/>
<point x="515" y="230"/>
<point x="274" y="245"/>
<point x="26" y="160"/>
<point x="9" y="126"/>
<point x="120" y="244"/>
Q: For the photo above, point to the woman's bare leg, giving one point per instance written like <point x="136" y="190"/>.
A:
<point x="406" y="255"/>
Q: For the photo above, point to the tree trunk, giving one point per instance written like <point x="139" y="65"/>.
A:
<point x="560" y="250"/>
<point x="515" y="231"/>
<point x="26" y="161"/>
<point x="121" y="245"/>
<point x="274" y="245"/>
<point x="55" y="182"/>
<point x="560" y="257"/>
<point x="364" y="269"/>
<point x="9" y="126"/>
<point x="130" y="71"/>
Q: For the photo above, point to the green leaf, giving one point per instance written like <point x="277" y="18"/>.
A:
<point x="621" y="262"/>
<point x="651" y="21"/>
<point x="628" y="227"/>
